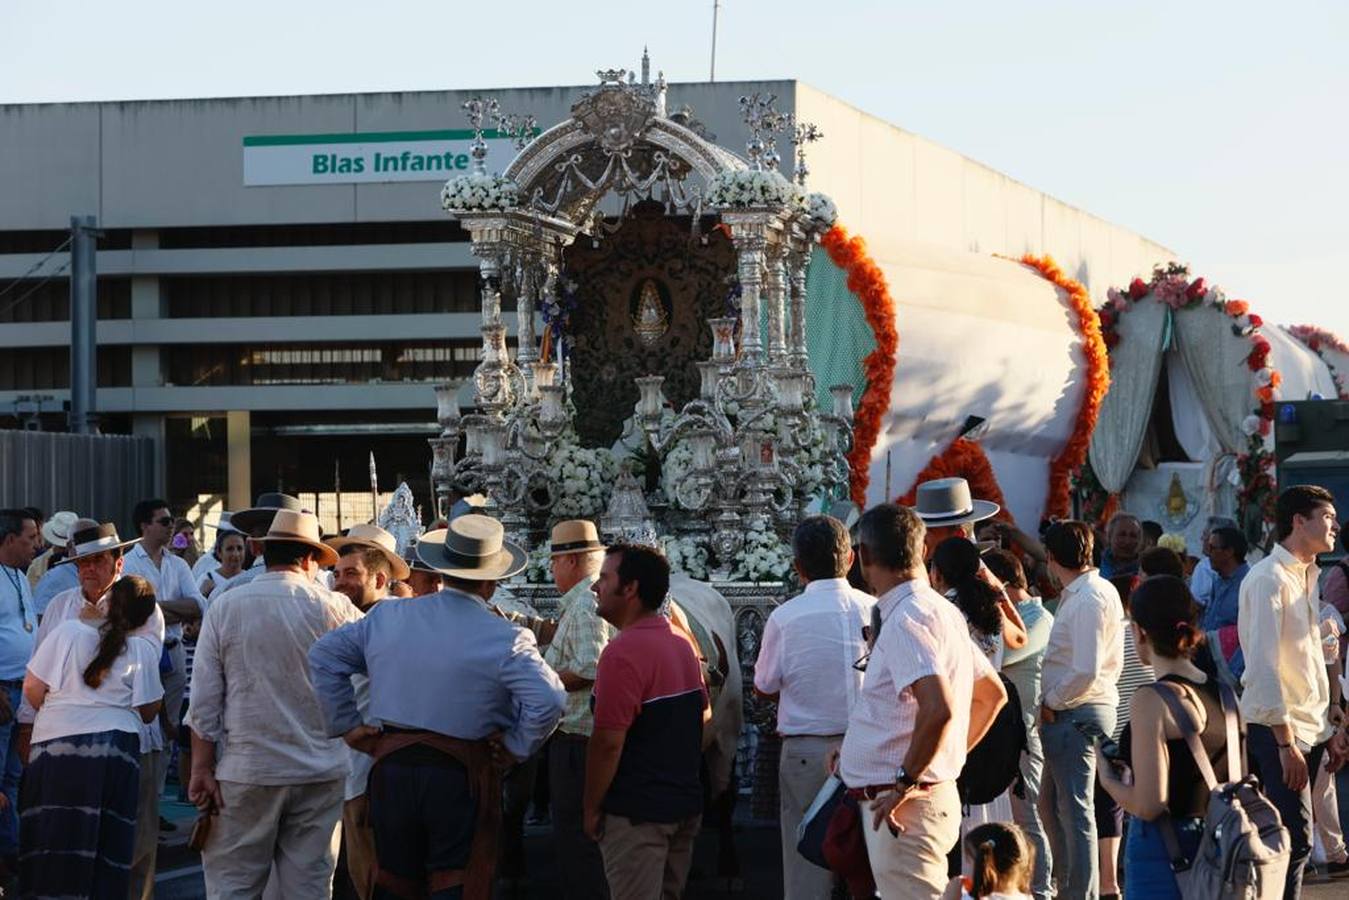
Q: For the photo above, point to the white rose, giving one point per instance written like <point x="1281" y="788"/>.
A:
<point x="1264" y="376"/>
<point x="1250" y="425"/>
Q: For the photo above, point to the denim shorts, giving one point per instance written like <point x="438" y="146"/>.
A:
<point x="1147" y="865"/>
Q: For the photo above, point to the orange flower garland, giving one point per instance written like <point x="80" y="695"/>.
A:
<point x="964" y="459"/>
<point x="867" y="282"/>
<point x="1074" y="452"/>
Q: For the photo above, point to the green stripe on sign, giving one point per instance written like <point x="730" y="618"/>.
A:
<point x="364" y="137"/>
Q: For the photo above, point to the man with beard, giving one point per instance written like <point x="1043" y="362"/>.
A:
<point x="368" y="562"/>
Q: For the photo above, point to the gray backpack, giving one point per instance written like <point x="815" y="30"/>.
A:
<point x="1245" y="850"/>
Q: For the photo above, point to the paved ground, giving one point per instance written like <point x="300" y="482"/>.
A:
<point x="756" y="841"/>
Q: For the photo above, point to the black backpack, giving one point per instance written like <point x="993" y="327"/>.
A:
<point x="995" y="762"/>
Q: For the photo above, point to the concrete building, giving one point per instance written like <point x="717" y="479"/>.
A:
<point x="279" y="288"/>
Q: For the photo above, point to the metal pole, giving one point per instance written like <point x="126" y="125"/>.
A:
<point x="716" y="7"/>
<point x="83" y="324"/>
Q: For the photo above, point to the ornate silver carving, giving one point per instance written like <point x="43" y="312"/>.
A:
<point x="400" y="518"/>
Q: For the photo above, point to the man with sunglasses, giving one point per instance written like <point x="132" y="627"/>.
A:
<point x="179" y="599"/>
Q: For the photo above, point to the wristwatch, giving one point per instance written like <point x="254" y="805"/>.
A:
<point x="904" y="782"/>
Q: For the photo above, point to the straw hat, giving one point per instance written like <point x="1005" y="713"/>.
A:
<point x="474" y="548"/>
<point x="299" y="528"/>
<point x="56" y="530"/>
<point x="574" y="536"/>
<point x="261" y="513"/>
<point x="374" y="538"/>
<point x="94" y="540"/>
<point x="946" y="501"/>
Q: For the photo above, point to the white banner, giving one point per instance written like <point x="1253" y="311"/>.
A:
<point x="366" y="157"/>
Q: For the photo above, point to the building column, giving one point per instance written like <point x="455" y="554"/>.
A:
<point x="239" y="448"/>
<point x="145" y="363"/>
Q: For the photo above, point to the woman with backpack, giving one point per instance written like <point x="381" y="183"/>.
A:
<point x="93" y="683"/>
<point x="1167" y="782"/>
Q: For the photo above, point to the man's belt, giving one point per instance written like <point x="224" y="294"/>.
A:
<point x="872" y="791"/>
<point x="484" y="785"/>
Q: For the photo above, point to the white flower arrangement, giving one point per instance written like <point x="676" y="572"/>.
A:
<point x="763" y="557"/>
<point x="1264" y="377"/>
<point x="811" y="479"/>
<point x="821" y="211"/>
<point x="476" y="191"/>
<point x="1250" y="425"/>
<point x="674" y="468"/>
<point x="747" y="188"/>
<point x="539" y="568"/>
<point x="583" y="479"/>
<point x="687" y="555"/>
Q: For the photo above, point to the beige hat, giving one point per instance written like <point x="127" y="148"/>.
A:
<point x="57" y="529"/>
<point x="96" y="539"/>
<point x="299" y="528"/>
<point x="574" y="536"/>
<point x="946" y="501"/>
<point x="473" y="547"/>
<point x="374" y="538"/>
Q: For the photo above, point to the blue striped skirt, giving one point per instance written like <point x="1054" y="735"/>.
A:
<point x="77" y="816"/>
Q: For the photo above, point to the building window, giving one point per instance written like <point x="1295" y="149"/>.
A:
<point x="48" y="368"/>
<point x="262" y="364"/>
<point x="323" y="235"/>
<point x="51" y="301"/>
<point x="353" y="294"/>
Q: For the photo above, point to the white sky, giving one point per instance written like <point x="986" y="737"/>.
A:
<point x="1220" y="129"/>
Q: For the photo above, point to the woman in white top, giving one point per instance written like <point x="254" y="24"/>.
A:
<point x="230" y="550"/>
<point x="93" y="683"/>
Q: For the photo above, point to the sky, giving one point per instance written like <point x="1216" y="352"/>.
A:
<point x="1217" y="129"/>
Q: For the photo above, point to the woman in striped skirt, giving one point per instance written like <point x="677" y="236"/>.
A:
<point x="92" y="683"/>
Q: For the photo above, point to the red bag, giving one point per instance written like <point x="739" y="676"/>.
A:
<point x="845" y="849"/>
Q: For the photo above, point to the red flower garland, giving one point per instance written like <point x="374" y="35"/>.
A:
<point x="1074" y="452"/>
<point x="963" y="459"/>
<point x="867" y="282"/>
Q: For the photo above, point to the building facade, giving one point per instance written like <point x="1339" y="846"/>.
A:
<point x="278" y="288"/>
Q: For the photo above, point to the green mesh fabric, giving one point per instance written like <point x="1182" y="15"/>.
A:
<point x="837" y="334"/>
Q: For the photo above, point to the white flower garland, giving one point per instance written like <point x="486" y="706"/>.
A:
<point x="764" y="557"/>
<point x="686" y="555"/>
<point x="747" y="188"/>
<point x="539" y="569"/>
<point x="479" y="192"/>
<point x="583" y="480"/>
<point x="821" y="211"/>
<point x="674" y="468"/>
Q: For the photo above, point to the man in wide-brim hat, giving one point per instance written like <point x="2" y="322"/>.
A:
<point x="56" y="532"/>
<point x="437" y="810"/>
<point x="260" y="757"/>
<point x="253" y="524"/>
<point x="367" y="564"/>
<point x="948" y="510"/>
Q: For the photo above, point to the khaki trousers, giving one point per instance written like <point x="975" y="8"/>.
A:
<point x="359" y="837"/>
<point x="647" y="861"/>
<point x="801" y="773"/>
<point x="146" y="848"/>
<point x="289" y="827"/>
<point x="912" y="866"/>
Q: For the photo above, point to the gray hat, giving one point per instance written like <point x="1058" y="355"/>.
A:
<point x="473" y="547"/>
<point x="946" y="501"/>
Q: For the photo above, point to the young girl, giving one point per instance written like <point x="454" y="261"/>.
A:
<point x="1003" y="863"/>
<point x="92" y="683"/>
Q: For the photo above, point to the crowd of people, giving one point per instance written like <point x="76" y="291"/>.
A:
<point x="976" y="711"/>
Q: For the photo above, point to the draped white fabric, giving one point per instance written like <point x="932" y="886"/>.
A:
<point x="1216" y="360"/>
<point x="1304" y="373"/>
<point x="978" y="336"/>
<point x="1135" y="366"/>
<point x="1188" y="419"/>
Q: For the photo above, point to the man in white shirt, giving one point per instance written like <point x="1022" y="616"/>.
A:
<point x="1078" y="702"/>
<point x="929" y="695"/>
<point x="1285" y="696"/>
<point x="806" y="663"/>
<point x="277" y="788"/>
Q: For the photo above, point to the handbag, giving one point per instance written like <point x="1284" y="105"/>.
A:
<point x="814" y="825"/>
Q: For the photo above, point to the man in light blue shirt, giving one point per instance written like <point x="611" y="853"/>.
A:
<point x="18" y="546"/>
<point x="453" y="686"/>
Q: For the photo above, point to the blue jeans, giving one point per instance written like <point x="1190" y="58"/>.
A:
<point x="11" y="768"/>
<point x="1147" y="865"/>
<point x="1026" y="811"/>
<point x="1067" y="796"/>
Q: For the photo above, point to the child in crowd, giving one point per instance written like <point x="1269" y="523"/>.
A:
<point x="1003" y="862"/>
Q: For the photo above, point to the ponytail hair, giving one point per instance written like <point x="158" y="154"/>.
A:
<point x="1163" y="608"/>
<point x="958" y="561"/>
<point x="1003" y="859"/>
<point x="131" y="601"/>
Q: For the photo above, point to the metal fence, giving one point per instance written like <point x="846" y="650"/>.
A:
<point x="97" y="475"/>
